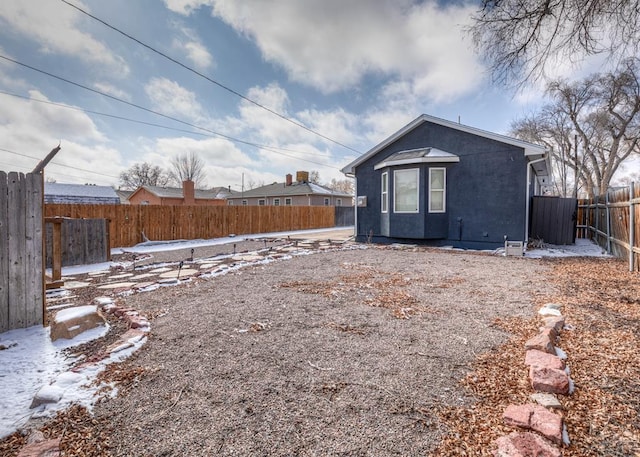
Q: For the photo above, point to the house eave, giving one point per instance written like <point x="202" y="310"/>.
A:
<point x="530" y="149"/>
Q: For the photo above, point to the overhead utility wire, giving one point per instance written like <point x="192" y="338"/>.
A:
<point x="104" y="94"/>
<point x="58" y="164"/>
<point x="202" y="75"/>
<point x="152" y="124"/>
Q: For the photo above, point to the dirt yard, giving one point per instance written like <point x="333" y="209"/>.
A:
<point x="364" y="352"/>
<point x="343" y="353"/>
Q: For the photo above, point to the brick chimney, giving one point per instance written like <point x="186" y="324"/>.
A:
<point x="302" y="176"/>
<point x="188" y="192"/>
<point x="289" y="179"/>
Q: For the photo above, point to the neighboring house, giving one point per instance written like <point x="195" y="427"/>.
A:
<point x="443" y="183"/>
<point x="290" y="193"/>
<point x="124" y="196"/>
<point x="187" y="195"/>
<point x="80" y="193"/>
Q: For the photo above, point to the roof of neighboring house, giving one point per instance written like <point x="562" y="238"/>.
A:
<point x="79" y="193"/>
<point x="124" y="195"/>
<point x="532" y="151"/>
<point x="176" y="192"/>
<point x="280" y="189"/>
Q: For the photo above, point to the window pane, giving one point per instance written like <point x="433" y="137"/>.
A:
<point x="385" y="192"/>
<point x="406" y="191"/>
<point x="437" y="179"/>
<point x="436" y="203"/>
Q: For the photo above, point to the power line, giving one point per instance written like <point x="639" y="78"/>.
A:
<point x="213" y="134"/>
<point x="104" y="94"/>
<point x="59" y="164"/>
<point x="202" y="75"/>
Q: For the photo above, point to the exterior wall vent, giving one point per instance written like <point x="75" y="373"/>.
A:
<point x="515" y="248"/>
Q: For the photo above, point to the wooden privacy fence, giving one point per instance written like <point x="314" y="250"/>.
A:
<point x="128" y="223"/>
<point x="21" y="265"/>
<point x="613" y="221"/>
<point x="553" y="219"/>
<point x="82" y="241"/>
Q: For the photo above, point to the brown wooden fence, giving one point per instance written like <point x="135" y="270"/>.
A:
<point x="21" y="266"/>
<point x="128" y="223"/>
<point x="613" y="221"/>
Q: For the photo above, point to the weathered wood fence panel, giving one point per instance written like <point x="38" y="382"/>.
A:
<point x="21" y="262"/>
<point x="613" y="222"/>
<point x="84" y="241"/>
<point x="131" y="224"/>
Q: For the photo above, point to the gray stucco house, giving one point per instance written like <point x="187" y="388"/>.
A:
<point x="442" y="183"/>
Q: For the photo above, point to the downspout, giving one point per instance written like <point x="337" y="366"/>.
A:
<point x="355" y="207"/>
<point x="526" y="216"/>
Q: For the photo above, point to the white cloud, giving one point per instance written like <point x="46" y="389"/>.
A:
<point x="172" y="99"/>
<point x="31" y="129"/>
<point x="111" y="90"/>
<point x="332" y="45"/>
<point x="53" y="26"/>
<point x="191" y="45"/>
<point x="184" y="7"/>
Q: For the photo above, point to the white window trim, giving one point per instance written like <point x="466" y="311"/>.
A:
<point x="288" y="201"/>
<point x="245" y="202"/>
<point x="327" y="201"/>
<point x="417" y="173"/>
<point x="338" y="202"/>
<point x="264" y="202"/>
<point x="384" y="194"/>
<point x="443" y="190"/>
<point x="276" y="202"/>
<point x="229" y="202"/>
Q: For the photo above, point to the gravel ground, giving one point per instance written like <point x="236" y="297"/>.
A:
<point x="338" y="353"/>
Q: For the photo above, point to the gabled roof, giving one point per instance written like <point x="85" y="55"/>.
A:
<point x="280" y="189"/>
<point x="176" y="192"/>
<point x="79" y="193"/>
<point x="422" y="155"/>
<point x="530" y="150"/>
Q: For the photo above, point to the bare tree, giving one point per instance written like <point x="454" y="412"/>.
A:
<point x="342" y="185"/>
<point x="519" y="37"/>
<point x="592" y="126"/>
<point x="143" y="174"/>
<point x="314" y="177"/>
<point x="188" y="167"/>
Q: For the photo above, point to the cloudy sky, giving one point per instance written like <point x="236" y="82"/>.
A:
<point x="257" y="89"/>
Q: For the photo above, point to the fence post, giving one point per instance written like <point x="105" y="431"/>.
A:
<point x="608" y="220"/>
<point x="632" y="225"/>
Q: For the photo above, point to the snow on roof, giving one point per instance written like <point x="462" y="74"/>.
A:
<point x="82" y="190"/>
<point x="422" y="155"/>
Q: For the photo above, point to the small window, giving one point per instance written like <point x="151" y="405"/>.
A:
<point x="262" y="202"/>
<point x="276" y="202"/>
<point x="287" y="201"/>
<point x="384" y="192"/>
<point x="338" y="202"/>
<point x="326" y="202"/>
<point x="437" y="190"/>
<point x="405" y="190"/>
<point x="244" y="203"/>
<point x="230" y="202"/>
